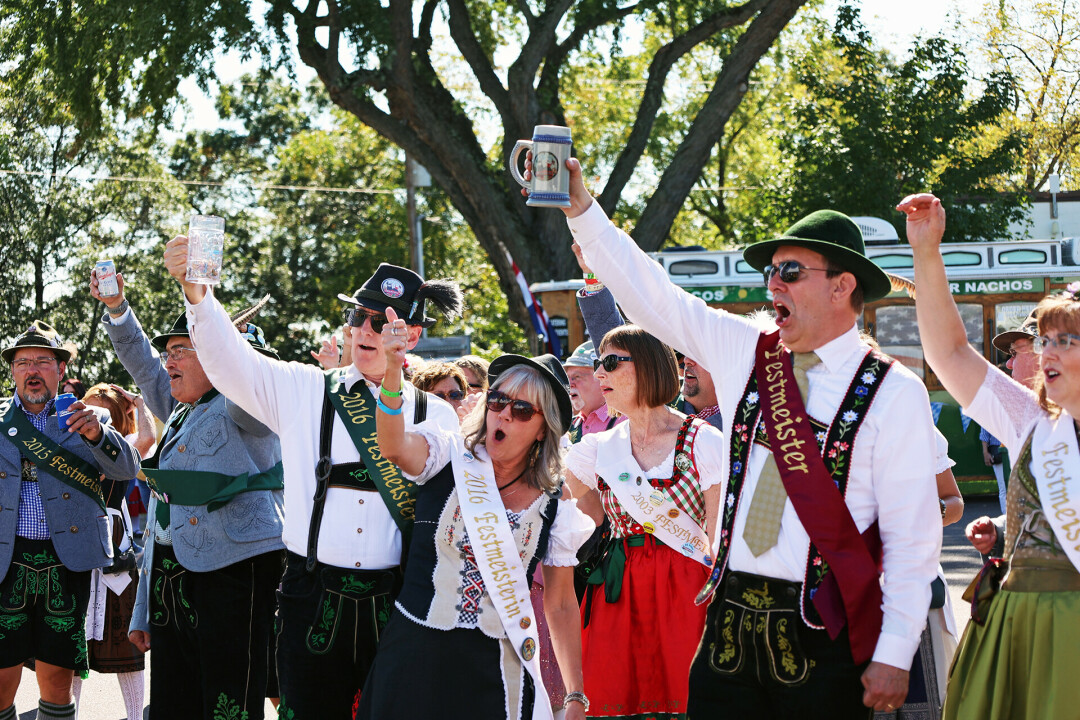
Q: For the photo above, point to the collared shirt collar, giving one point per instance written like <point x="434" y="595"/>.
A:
<point x="600" y="414"/>
<point x="44" y="413"/>
<point x="351" y="376"/>
<point x="837" y="351"/>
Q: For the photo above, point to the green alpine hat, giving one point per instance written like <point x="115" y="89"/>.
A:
<point x="835" y="236"/>
<point x="42" y="335"/>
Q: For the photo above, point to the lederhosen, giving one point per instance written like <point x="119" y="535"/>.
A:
<point x="766" y="652"/>
<point x="330" y="618"/>
<point x="209" y="630"/>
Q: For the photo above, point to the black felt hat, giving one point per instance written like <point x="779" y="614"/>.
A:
<point x="40" y="335"/>
<point x="550" y="369"/>
<point x="406" y="292"/>
<point x="835" y="236"/>
<point x="1028" y="330"/>
<point x="179" y="329"/>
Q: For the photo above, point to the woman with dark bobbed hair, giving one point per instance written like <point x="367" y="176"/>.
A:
<point x="482" y="524"/>
<point x="657" y="479"/>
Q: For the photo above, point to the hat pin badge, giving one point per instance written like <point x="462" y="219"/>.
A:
<point x="392" y="288"/>
<point x="12" y="432"/>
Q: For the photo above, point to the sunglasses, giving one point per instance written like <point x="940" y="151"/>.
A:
<point x="356" y="317"/>
<point x="452" y="396"/>
<point x="519" y="409"/>
<point x="1061" y="342"/>
<point x="789" y="270"/>
<point x="610" y="362"/>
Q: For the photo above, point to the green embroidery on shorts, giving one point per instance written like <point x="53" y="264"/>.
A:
<point x="319" y="641"/>
<point x="382" y="611"/>
<point x="227" y="709"/>
<point x="79" y="638"/>
<point x="60" y="624"/>
<point x="18" y="588"/>
<point x="192" y="616"/>
<point x="284" y="712"/>
<point x="168" y="564"/>
<point x="41" y="559"/>
<point x="351" y="585"/>
<point x="13" y="622"/>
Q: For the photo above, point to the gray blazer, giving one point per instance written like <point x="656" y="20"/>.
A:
<point x="218" y="437"/>
<point x="78" y="526"/>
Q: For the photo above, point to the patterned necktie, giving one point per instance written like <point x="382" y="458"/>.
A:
<point x="767" y="505"/>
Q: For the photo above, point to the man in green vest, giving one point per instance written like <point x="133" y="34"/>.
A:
<point x="53" y="525"/>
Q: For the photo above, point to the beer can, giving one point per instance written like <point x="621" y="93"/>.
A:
<point x="63" y="401"/>
<point x="106" y="277"/>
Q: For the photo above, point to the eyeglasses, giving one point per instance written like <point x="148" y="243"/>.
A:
<point x="610" y="362"/>
<point x="1014" y="351"/>
<point x="41" y="363"/>
<point x="356" y="317"/>
<point x="790" y="271"/>
<point x="176" y="354"/>
<point x="519" y="409"/>
<point x="452" y="396"/>
<point x="1061" y="342"/>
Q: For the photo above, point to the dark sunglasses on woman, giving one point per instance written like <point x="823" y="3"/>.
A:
<point x="519" y="409"/>
<point x="452" y="396"/>
<point x="610" y="362"/>
<point x="355" y="317"/>
<point x="790" y="271"/>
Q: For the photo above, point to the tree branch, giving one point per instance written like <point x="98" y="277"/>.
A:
<point x="465" y="39"/>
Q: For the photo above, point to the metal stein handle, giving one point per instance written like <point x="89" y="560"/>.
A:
<point x="518" y="147"/>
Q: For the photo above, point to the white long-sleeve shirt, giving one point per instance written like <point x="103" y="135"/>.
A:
<point x="892" y="467"/>
<point x="357" y="530"/>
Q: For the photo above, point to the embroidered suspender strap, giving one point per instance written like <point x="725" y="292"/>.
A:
<point x="322" y="482"/>
<point x="357" y="412"/>
<point x="821" y="595"/>
<point x="49" y="457"/>
<point x="1054" y="447"/>
<point x="817" y="501"/>
<point x="499" y="563"/>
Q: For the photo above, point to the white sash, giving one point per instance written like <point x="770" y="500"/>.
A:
<point x="653" y="509"/>
<point x="1055" y="465"/>
<point x="497" y="558"/>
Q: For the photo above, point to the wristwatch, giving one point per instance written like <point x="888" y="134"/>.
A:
<point x="576" y="696"/>
<point x="943" y="508"/>
<point x="118" y="310"/>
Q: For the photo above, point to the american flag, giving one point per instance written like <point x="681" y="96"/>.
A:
<point x="539" y="317"/>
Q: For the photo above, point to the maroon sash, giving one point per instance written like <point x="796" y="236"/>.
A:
<point x="853" y="558"/>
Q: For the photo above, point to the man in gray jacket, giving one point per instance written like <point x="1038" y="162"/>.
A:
<point x="208" y="582"/>
<point x="53" y="526"/>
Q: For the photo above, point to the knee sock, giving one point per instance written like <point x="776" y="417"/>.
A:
<point x="76" y="688"/>
<point x="132" y="685"/>
<point x="9" y="713"/>
<point x="50" y="711"/>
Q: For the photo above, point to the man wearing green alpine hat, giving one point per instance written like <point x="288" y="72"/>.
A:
<point x="53" y="525"/>
<point x="214" y="555"/>
<point x="830" y="475"/>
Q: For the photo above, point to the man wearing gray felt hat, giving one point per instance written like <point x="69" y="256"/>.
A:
<point x="53" y="526"/>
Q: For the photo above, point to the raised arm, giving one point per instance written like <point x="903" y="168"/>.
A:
<point x="959" y="367"/>
<point x="407" y="450"/>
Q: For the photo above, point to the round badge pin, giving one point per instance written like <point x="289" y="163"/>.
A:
<point x="708" y="560"/>
<point x="649" y="528"/>
<point x="656" y="498"/>
<point x="688" y="549"/>
<point x="525" y="623"/>
<point x="673" y="513"/>
<point x="392" y="288"/>
<point x="528" y="649"/>
<point x="682" y="461"/>
<point x="639" y="480"/>
<point x="624" y="476"/>
<point x="468" y="456"/>
<point x="12" y="432"/>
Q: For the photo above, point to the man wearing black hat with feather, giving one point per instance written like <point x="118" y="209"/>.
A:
<point x="348" y="511"/>
<point x="206" y="593"/>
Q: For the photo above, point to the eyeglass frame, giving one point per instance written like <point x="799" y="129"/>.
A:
<point x="496" y="401"/>
<point x="449" y="396"/>
<point x="1039" y="344"/>
<point x="785" y="267"/>
<point x="1013" y="352"/>
<point x="176" y="353"/>
<point x="602" y="362"/>
<point x="39" y="363"/>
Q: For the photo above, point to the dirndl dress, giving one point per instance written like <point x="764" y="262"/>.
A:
<point x="641" y="626"/>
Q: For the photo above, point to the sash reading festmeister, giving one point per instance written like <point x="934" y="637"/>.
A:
<point x="1054" y="451"/>
<point x="500" y="565"/>
<point x="652" y="508"/>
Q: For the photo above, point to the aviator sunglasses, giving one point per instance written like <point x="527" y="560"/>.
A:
<point x="519" y="409"/>
<point x="356" y="317"/>
<point x="789" y="270"/>
<point x="610" y="362"/>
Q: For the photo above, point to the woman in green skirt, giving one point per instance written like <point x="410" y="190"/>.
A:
<point x="1018" y="655"/>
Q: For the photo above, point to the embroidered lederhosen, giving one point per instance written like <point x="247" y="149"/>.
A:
<point x="836" y="443"/>
<point x="681" y="486"/>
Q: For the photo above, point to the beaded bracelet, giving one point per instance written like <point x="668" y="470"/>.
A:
<point x="388" y="410"/>
<point x="387" y="393"/>
<point x="577" y="696"/>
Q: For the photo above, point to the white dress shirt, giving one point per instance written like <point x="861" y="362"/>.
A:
<point x="357" y="530"/>
<point x="892" y="467"/>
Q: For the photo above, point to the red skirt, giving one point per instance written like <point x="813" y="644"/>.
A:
<point x="637" y="651"/>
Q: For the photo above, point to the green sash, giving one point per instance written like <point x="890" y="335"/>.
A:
<point x="357" y="413"/>
<point x="196" y="487"/>
<point x="49" y="457"/>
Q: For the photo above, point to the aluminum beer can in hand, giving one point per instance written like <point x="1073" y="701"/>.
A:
<point x="63" y="402"/>
<point x="105" y="271"/>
